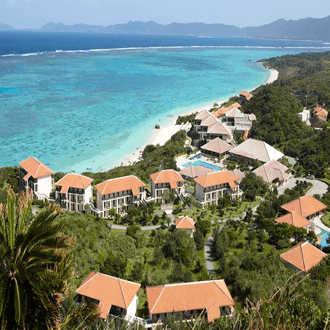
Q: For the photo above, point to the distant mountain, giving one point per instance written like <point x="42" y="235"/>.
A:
<point x="303" y="29"/>
<point x="5" y="27"/>
<point x="307" y="28"/>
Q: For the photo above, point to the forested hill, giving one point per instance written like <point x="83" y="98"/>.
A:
<point x="302" y="29"/>
<point x="304" y="80"/>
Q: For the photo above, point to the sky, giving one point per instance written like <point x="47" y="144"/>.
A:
<point x="23" y="14"/>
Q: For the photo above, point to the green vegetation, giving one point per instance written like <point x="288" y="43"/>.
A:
<point x="8" y="177"/>
<point x="35" y="265"/>
<point x="186" y="119"/>
<point x="303" y="81"/>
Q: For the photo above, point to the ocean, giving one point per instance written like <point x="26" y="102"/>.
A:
<point x="83" y="102"/>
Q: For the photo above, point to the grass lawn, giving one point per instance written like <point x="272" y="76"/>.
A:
<point x="326" y="219"/>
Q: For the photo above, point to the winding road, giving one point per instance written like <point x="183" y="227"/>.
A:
<point x="319" y="187"/>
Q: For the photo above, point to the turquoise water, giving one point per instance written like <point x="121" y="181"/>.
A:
<point x="205" y="164"/>
<point x="79" y="111"/>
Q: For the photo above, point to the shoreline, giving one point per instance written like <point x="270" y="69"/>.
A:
<point x="162" y="135"/>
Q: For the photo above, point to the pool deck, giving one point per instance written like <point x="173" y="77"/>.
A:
<point x="318" y="223"/>
<point x="181" y="160"/>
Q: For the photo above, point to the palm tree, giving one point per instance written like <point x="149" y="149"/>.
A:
<point x="35" y="265"/>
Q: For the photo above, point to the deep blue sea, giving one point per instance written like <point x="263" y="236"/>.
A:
<point x="85" y="101"/>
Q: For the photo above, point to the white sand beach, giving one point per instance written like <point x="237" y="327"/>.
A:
<point x="160" y="136"/>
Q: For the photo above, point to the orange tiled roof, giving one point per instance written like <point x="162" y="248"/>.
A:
<point x="108" y="290"/>
<point x="210" y="295"/>
<point x="247" y="95"/>
<point x="167" y="176"/>
<point x="71" y="180"/>
<point x="35" y="168"/>
<point x="318" y="111"/>
<point x="234" y="105"/>
<point x="130" y="182"/>
<point x="293" y="219"/>
<point x="184" y="223"/>
<point x="304" y="206"/>
<point x="216" y="178"/>
<point x="220" y="112"/>
<point x="303" y="256"/>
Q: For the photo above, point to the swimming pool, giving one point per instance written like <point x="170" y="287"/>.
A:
<point x="324" y="239"/>
<point x="205" y="164"/>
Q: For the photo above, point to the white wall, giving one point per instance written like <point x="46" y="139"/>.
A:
<point x="45" y="185"/>
<point x="88" y="194"/>
<point x="132" y="308"/>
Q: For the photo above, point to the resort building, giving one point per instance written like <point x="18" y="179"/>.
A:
<point x="317" y="122"/>
<point x="119" y="193"/>
<point x="273" y="173"/>
<point x="294" y="219"/>
<point x="304" y="115"/>
<point x="185" y="223"/>
<point x="216" y="148"/>
<point x="74" y="191"/>
<point x="208" y="127"/>
<point x="239" y="174"/>
<point x="244" y="97"/>
<point x="212" y="186"/>
<point x="165" y="183"/>
<point x="189" y="300"/>
<point x="303" y="257"/>
<point x="113" y="295"/>
<point x="191" y="172"/>
<point x="307" y="206"/>
<point x="37" y="177"/>
<point x="237" y="120"/>
<point x="256" y="150"/>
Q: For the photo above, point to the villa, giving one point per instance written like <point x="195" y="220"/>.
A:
<point x="304" y="116"/>
<point x="185" y="223"/>
<point x="113" y="295"/>
<point x="256" y="150"/>
<point x="119" y="193"/>
<point x="307" y="206"/>
<point x="216" y="147"/>
<point x="208" y="127"/>
<point x="74" y="191"/>
<point x="303" y="257"/>
<point x="222" y="111"/>
<point x="245" y="96"/>
<point x="212" y="186"/>
<point x="189" y="300"/>
<point x="294" y="219"/>
<point x="273" y="173"/>
<point x="320" y="113"/>
<point x="37" y="177"/>
<point x="237" y="120"/>
<point x="191" y="172"/>
<point x="164" y="183"/>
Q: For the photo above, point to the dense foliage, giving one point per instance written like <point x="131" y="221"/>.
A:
<point x="35" y="266"/>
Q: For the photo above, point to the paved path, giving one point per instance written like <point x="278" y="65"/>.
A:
<point x="208" y="255"/>
<point x="319" y="187"/>
<point x="207" y="248"/>
<point x="320" y="224"/>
